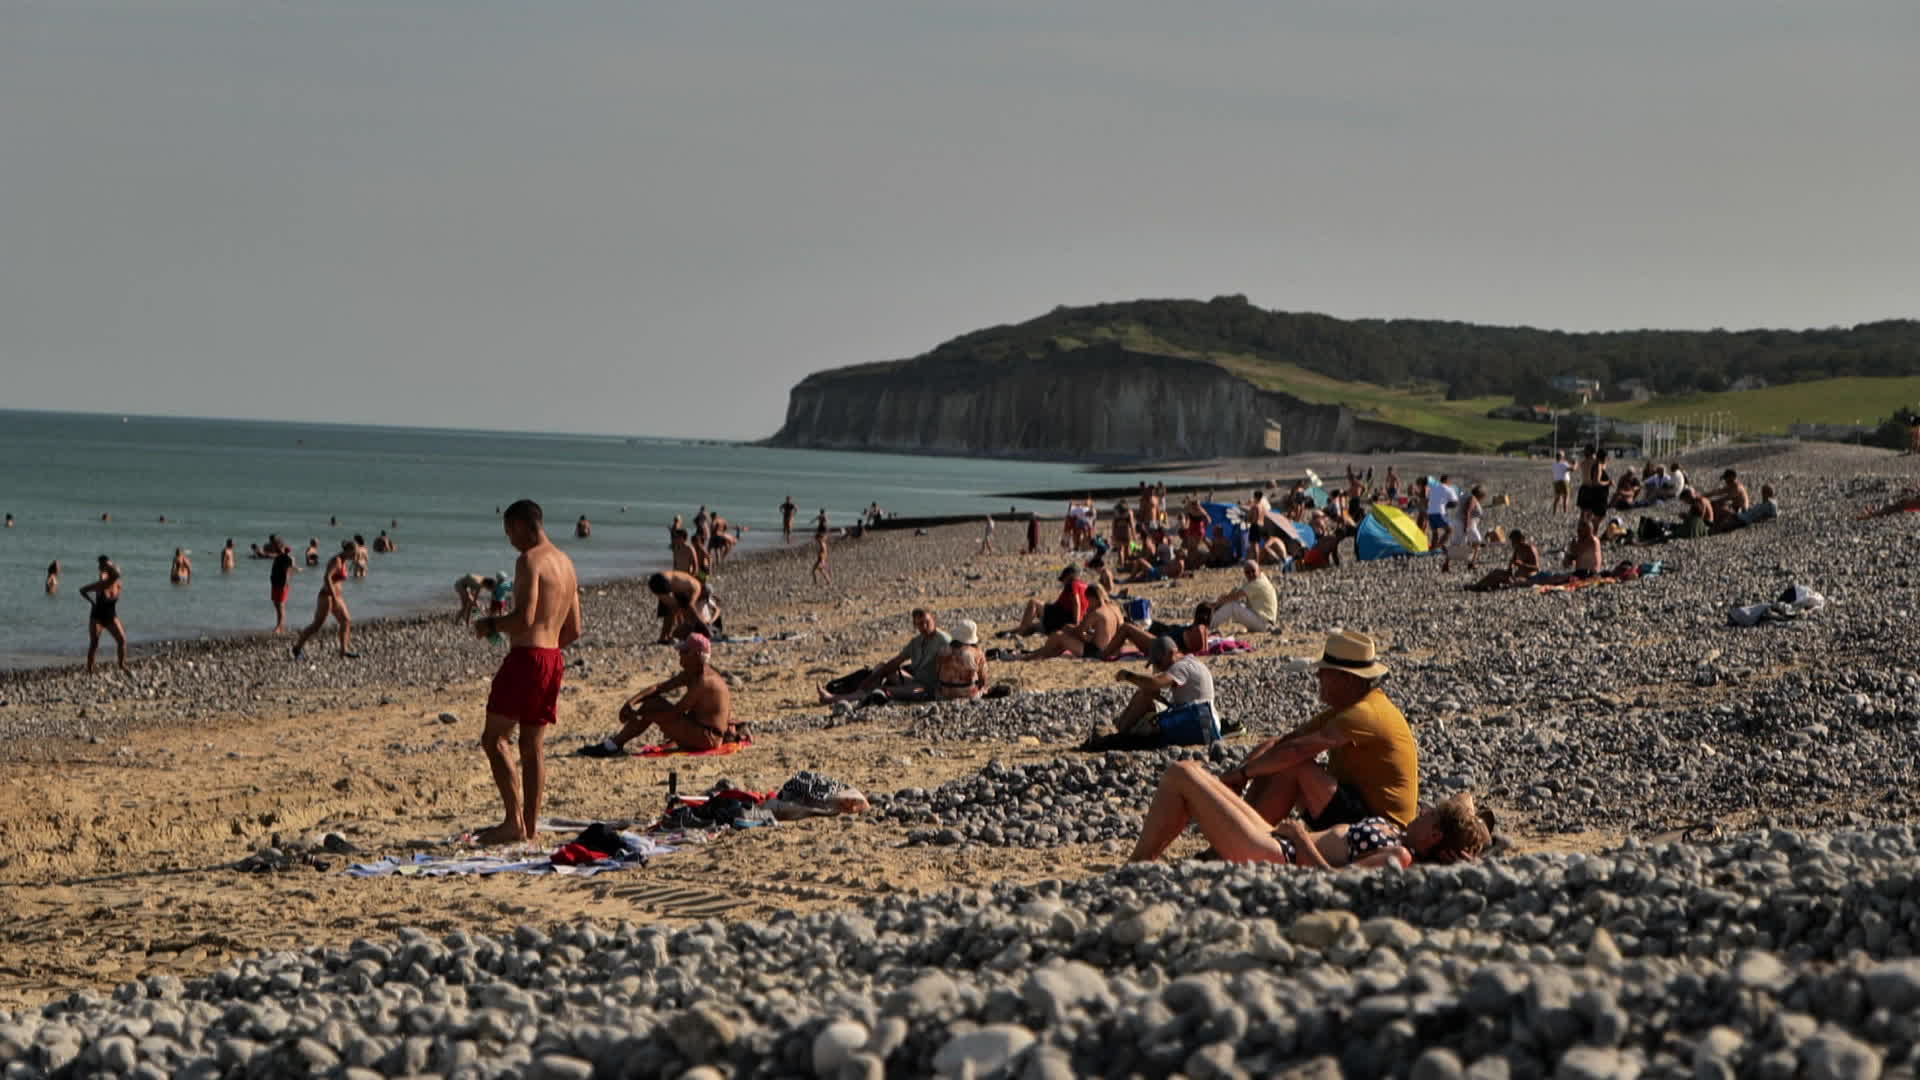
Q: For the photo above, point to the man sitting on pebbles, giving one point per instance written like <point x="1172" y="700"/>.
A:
<point x="1253" y="605"/>
<point x="701" y="720"/>
<point x="913" y="675"/>
<point x="1373" y="764"/>
<point x="1176" y="694"/>
<point x="1065" y="610"/>
<point x="1091" y="637"/>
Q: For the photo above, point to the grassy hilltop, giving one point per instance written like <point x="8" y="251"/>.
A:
<point x="1441" y="378"/>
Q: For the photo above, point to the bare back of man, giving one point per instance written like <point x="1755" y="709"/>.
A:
<point x="526" y="690"/>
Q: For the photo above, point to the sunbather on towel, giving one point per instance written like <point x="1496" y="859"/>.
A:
<point x="701" y="720"/>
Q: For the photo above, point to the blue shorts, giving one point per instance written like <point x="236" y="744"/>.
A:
<point x="1188" y="725"/>
<point x="1438" y="521"/>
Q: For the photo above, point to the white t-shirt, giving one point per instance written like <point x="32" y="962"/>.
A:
<point x="1438" y="496"/>
<point x="1192" y="682"/>
<point x="1561" y="470"/>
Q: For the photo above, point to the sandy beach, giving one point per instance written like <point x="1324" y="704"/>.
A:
<point x="1627" y="714"/>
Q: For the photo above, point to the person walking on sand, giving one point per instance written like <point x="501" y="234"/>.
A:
<point x="986" y="537"/>
<point x="332" y="601"/>
<point x="53" y="577"/>
<point x="701" y="720"/>
<point x="182" y="568"/>
<point x="820" y="571"/>
<point x="526" y="690"/>
<point x="786" y="520"/>
<point x="277" y="586"/>
<point x="104" y="614"/>
<point x="226" y="557"/>
<point x="1033" y="533"/>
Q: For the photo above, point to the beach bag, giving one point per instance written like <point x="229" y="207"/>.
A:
<point x="1139" y="609"/>
<point x="1181" y="726"/>
<point x="1653" y="532"/>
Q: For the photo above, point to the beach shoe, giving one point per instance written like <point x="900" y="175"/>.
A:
<point x="601" y="749"/>
<point x="297" y="651"/>
<point x="1231" y="727"/>
<point x="878" y="697"/>
<point x="350" y="656"/>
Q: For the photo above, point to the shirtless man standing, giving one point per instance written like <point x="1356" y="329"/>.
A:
<point x="226" y="557"/>
<point x="526" y="689"/>
<point x="786" y="520"/>
<point x="701" y="720"/>
<point x="686" y="560"/>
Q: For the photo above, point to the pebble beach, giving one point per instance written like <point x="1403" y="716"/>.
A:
<point x="1706" y="864"/>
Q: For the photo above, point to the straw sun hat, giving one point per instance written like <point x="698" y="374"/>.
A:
<point x="1352" y="652"/>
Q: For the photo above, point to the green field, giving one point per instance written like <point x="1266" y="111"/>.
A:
<point x="1422" y="409"/>
<point x="1855" y="400"/>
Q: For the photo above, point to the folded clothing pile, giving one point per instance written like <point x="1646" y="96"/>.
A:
<point x="1796" y="600"/>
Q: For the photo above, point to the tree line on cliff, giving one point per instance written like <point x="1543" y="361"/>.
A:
<point x="1471" y="360"/>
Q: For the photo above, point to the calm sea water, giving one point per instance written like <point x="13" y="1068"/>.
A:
<point x="214" y="479"/>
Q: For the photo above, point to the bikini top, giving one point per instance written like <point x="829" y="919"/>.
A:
<point x="1368" y="835"/>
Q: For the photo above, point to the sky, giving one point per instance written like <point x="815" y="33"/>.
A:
<point x="653" y="219"/>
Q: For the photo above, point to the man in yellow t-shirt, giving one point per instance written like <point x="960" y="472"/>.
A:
<point x="1373" y="764"/>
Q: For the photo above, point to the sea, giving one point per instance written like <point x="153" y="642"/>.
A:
<point x="436" y="492"/>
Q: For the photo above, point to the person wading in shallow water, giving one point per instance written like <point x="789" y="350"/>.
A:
<point x="526" y="690"/>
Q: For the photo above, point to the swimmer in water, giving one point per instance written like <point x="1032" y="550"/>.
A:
<point x="182" y="567"/>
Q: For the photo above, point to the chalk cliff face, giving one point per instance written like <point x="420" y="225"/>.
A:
<point x="1097" y="403"/>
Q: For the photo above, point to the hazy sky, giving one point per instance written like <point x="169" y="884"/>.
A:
<point x="655" y="218"/>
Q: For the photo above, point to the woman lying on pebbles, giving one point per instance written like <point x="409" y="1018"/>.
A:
<point x="1444" y="833"/>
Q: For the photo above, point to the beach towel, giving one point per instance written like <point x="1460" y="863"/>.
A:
<point x="639" y="849"/>
<point x="1222" y="646"/>
<point x="671" y="750"/>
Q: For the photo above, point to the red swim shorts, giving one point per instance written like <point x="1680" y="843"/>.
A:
<point x="279" y="593"/>
<point x="527" y="686"/>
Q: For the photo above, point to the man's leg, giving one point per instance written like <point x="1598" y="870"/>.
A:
<point x="1060" y="644"/>
<point x="279" y="616"/>
<point x="1237" y="612"/>
<point x="636" y="721"/>
<point x="1188" y="792"/>
<point x="533" y="776"/>
<point x="493" y="739"/>
<point x="1138" y="709"/>
<point x="1306" y="787"/>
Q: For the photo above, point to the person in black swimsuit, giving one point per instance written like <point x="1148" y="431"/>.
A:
<point x="104" y="614"/>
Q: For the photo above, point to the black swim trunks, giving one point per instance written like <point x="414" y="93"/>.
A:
<point x="1345" y="807"/>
